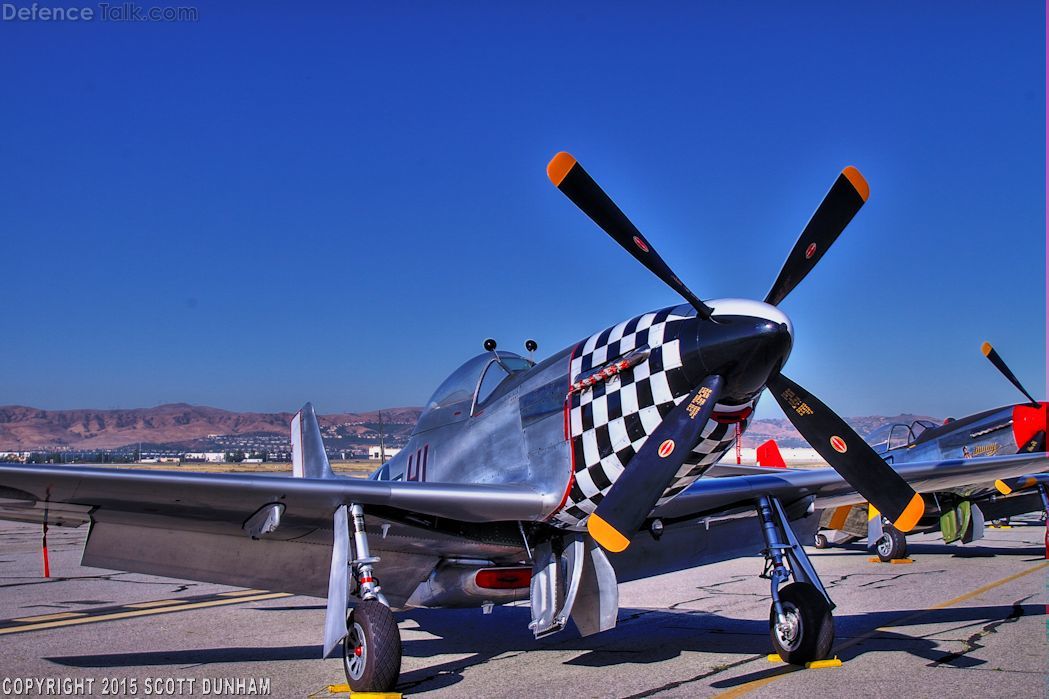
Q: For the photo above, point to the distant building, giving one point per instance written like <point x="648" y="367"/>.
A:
<point x="211" y="457"/>
<point x="375" y="452"/>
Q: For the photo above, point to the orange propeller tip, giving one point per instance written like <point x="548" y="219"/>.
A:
<point x="606" y="535"/>
<point x="1002" y="487"/>
<point x="859" y="183"/>
<point x="559" y="166"/>
<point x="911" y="514"/>
<point x="986" y="349"/>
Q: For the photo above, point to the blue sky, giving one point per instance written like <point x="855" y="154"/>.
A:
<point x="276" y="204"/>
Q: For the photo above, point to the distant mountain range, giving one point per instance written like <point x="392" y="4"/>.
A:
<point x="175" y="424"/>
<point x="180" y="424"/>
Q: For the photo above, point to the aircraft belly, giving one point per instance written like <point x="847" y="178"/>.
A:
<point x="225" y="555"/>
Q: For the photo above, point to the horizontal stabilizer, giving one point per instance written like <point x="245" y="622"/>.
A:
<point x="308" y="459"/>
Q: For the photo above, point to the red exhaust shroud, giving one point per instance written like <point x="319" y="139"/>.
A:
<point x="503" y="578"/>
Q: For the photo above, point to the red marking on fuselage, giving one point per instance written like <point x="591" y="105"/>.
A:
<point x="568" y="437"/>
<point x="838" y="444"/>
<point x="666" y="448"/>
<point x="640" y="243"/>
<point x="810" y="251"/>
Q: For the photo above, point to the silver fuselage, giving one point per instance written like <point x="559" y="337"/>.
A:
<point x="571" y="445"/>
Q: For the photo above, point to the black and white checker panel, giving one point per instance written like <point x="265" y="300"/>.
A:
<point x="609" y="422"/>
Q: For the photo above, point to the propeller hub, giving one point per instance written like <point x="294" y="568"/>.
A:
<point x="749" y="343"/>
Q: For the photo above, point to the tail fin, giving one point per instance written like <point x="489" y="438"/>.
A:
<point x="308" y="459"/>
<point x="768" y="455"/>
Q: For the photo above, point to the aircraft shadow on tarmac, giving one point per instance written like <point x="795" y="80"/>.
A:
<point x="643" y="636"/>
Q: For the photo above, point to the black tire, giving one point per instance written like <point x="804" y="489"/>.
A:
<point x="821" y="541"/>
<point x="371" y="652"/>
<point x="812" y="632"/>
<point x="892" y="544"/>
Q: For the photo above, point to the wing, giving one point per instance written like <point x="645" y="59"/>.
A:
<point x="828" y="489"/>
<point x="265" y="532"/>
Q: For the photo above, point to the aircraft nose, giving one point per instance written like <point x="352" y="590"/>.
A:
<point x="744" y="349"/>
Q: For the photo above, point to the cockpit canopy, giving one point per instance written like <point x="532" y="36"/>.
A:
<point x="469" y="387"/>
<point x="901" y="435"/>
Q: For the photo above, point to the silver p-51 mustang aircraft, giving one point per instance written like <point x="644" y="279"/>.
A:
<point x="558" y="479"/>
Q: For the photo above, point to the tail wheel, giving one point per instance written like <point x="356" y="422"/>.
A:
<point x="821" y="541"/>
<point x="892" y="544"/>
<point x="807" y="631"/>
<point x="371" y="652"/>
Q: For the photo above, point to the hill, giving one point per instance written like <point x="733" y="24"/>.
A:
<point x="179" y="424"/>
<point x="23" y="428"/>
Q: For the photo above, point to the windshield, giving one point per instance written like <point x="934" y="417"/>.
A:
<point x="453" y="399"/>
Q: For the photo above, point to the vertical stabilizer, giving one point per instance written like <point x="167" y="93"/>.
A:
<point x="769" y="456"/>
<point x="308" y="459"/>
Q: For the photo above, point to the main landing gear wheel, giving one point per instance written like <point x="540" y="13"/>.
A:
<point x="371" y="652"/>
<point x="807" y="632"/>
<point x="821" y="541"/>
<point x="892" y="544"/>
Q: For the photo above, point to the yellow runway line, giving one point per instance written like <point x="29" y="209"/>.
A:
<point x="85" y="619"/>
<point x="50" y="617"/>
<point x="759" y="683"/>
<point x="150" y="605"/>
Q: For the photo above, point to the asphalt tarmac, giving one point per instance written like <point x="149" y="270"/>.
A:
<point x="957" y="621"/>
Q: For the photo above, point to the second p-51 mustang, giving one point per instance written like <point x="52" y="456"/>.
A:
<point x="557" y="480"/>
<point x="959" y="513"/>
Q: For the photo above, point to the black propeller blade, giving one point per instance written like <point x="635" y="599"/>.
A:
<point x="640" y="486"/>
<point x="848" y="454"/>
<point x="570" y="177"/>
<point x="848" y="193"/>
<point x="1034" y="444"/>
<point x="1001" y="366"/>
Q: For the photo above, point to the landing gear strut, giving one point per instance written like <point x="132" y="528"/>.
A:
<point x="371" y="651"/>
<point x="800" y="623"/>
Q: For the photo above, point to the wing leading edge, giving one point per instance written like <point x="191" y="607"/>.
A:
<point x="234" y="497"/>
<point x="708" y="495"/>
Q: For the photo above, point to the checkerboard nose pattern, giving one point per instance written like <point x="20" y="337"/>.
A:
<point x="611" y="420"/>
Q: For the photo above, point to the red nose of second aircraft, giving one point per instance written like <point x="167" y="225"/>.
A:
<point x="1029" y="422"/>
